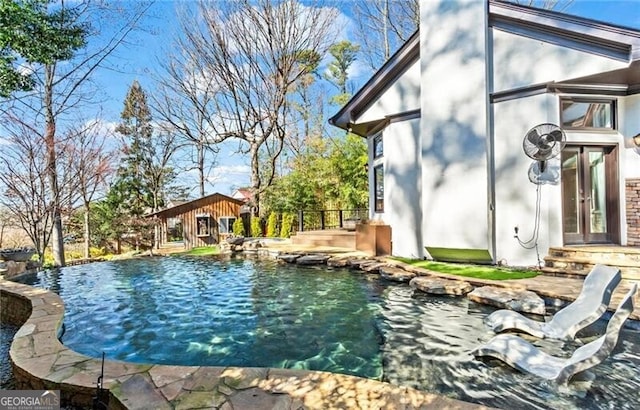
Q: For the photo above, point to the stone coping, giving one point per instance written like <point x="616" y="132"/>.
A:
<point x="41" y="361"/>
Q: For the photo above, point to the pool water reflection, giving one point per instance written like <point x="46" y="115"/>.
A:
<point x="200" y="311"/>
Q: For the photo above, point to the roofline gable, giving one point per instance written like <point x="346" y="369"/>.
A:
<point x="592" y="36"/>
<point x="587" y="35"/>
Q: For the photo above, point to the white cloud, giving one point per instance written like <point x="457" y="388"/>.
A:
<point x="103" y="127"/>
<point x="26" y="69"/>
<point x="233" y="169"/>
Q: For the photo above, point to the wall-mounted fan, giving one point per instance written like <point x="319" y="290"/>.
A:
<point x="542" y="143"/>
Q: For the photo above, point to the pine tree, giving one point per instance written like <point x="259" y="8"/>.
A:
<point x="344" y="54"/>
<point x="137" y="131"/>
<point x="145" y="176"/>
<point x="129" y="197"/>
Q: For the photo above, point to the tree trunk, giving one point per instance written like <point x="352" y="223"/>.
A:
<point x="201" y="168"/>
<point x="57" y="244"/>
<point x="87" y="232"/>
<point x="255" y="177"/>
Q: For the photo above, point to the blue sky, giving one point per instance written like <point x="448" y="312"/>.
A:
<point x="138" y="60"/>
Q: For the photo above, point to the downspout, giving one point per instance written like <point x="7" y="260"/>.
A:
<point x="490" y="141"/>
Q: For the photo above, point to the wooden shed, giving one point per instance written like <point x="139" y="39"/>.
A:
<point x="201" y="222"/>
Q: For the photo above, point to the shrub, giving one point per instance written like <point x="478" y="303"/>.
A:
<point x="272" y="225"/>
<point x="256" y="229"/>
<point x="287" y="223"/>
<point x="238" y="227"/>
<point x="97" y="252"/>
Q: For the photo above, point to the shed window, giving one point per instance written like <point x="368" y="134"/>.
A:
<point x="226" y="224"/>
<point x="203" y="225"/>
<point x="378" y="183"/>
<point x="588" y="114"/>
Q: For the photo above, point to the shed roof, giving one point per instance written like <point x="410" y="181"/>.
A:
<point x="196" y="203"/>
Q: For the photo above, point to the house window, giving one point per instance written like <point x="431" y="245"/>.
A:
<point x="377" y="146"/>
<point x="226" y="224"/>
<point x="378" y="183"/>
<point x="203" y="225"/>
<point x="587" y="114"/>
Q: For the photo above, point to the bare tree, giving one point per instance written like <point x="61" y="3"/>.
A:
<point x="182" y="101"/>
<point x="248" y="52"/>
<point x="62" y="87"/>
<point x="24" y="188"/>
<point x="91" y="164"/>
<point x="382" y="26"/>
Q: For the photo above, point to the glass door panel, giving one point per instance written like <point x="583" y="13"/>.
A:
<point x="570" y="192"/>
<point x="587" y="204"/>
<point x="598" y="200"/>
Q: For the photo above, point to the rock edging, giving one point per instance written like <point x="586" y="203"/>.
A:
<point x="427" y="281"/>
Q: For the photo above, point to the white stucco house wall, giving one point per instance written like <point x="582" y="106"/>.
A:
<point x="445" y="119"/>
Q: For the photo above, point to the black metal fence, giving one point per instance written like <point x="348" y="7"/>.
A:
<point x="330" y="219"/>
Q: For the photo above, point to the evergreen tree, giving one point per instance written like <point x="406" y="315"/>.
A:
<point x="29" y="33"/>
<point x="145" y="175"/>
<point x="133" y="193"/>
<point x="344" y="54"/>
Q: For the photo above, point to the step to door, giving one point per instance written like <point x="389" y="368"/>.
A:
<point x="578" y="261"/>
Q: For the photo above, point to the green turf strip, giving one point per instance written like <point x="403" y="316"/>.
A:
<point x="471" y="271"/>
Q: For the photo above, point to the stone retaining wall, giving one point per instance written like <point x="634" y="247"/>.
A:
<point x="40" y="361"/>
<point x="633" y="211"/>
<point x="15" y="309"/>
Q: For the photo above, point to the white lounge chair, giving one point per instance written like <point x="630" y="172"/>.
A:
<point x="522" y="355"/>
<point x="590" y="305"/>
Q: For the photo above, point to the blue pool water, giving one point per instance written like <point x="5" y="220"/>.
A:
<point x="202" y="311"/>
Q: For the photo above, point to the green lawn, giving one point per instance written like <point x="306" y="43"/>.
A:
<point x="203" y="251"/>
<point x="471" y="271"/>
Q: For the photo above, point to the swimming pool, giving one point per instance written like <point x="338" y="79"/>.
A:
<point x="201" y="311"/>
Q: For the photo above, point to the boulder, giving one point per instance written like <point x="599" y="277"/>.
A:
<point x="356" y="263"/>
<point x="314" y="259"/>
<point x="235" y="240"/>
<point x="23" y="254"/>
<point x="287" y="257"/>
<point x="437" y="286"/>
<point x="396" y="274"/>
<point x="373" y="267"/>
<point x="338" y="262"/>
<point x="519" y="300"/>
<point x="251" y="245"/>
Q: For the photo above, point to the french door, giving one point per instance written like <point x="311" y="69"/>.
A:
<point x="590" y="205"/>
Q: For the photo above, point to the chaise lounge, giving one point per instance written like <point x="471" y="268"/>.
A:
<point x="590" y="305"/>
<point x="522" y="355"/>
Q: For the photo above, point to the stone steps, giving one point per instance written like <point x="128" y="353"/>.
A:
<point x="576" y="262"/>
<point x="337" y="238"/>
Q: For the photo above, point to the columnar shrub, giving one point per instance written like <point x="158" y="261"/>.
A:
<point x="272" y="225"/>
<point x="287" y="222"/>
<point x="256" y="229"/>
<point x="238" y="227"/>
